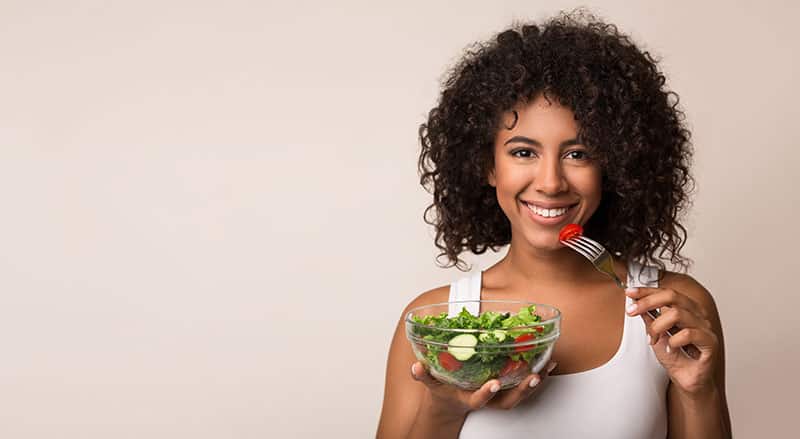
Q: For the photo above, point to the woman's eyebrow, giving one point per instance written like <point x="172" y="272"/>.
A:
<point x="533" y="142"/>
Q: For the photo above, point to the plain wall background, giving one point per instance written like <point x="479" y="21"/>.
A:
<point x="211" y="217"/>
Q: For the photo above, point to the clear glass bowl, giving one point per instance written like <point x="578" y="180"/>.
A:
<point x="509" y="355"/>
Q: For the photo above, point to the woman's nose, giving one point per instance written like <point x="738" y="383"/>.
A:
<point x="550" y="178"/>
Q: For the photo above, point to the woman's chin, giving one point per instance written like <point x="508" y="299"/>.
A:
<point x="545" y="244"/>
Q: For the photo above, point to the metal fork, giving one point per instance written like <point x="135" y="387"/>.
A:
<point x="604" y="263"/>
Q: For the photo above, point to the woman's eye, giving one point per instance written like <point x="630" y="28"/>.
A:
<point x="523" y="153"/>
<point x="578" y="155"/>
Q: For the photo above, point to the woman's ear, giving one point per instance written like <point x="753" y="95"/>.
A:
<point x="491" y="179"/>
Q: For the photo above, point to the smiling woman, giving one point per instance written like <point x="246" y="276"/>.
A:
<point x="543" y="176"/>
<point x="621" y="112"/>
<point x="547" y="125"/>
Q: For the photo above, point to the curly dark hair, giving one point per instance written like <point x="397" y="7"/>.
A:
<point x="627" y="118"/>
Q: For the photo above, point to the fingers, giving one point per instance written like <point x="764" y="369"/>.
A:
<point x="483" y="395"/>
<point x="488" y="394"/>
<point x="419" y="373"/>
<point x="692" y="337"/>
<point x="671" y="317"/>
<point x="676" y="309"/>
<point x="653" y="298"/>
<point x="704" y="341"/>
<point x="472" y="400"/>
<point x="512" y="397"/>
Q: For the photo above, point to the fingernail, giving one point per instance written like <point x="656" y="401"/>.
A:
<point x="551" y="367"/>
<point x="631" y="308"/>
<point x="668" y="349"/>
<point x="534" y="381"/>
<point x="495" y="387"/>
<point x="631" y="290"/>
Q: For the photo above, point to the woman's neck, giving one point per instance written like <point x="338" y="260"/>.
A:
<point x="547" y="267"/>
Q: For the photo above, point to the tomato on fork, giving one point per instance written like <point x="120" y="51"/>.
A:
<point x="570" y="231"/>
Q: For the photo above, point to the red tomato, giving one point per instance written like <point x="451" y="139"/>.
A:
<point x="539" y="329"/>
<point x="511" y="367"/>
<point x="449" y="362"/>
<point x="524" y="338"/>
<point x="570" y="231"/>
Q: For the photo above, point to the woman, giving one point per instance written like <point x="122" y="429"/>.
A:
<point x="567" y="122"/>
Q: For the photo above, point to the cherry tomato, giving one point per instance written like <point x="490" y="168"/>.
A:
<point x="511" y="366"/>
<point x="570" y="231"/>
<point x="449" y="362"/>
<point x="523" y="338"/>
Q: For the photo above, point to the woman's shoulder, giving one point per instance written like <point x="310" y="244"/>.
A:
<point x="436" y="295"/>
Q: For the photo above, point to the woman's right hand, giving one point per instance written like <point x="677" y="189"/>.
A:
<point x="451" y="401"/>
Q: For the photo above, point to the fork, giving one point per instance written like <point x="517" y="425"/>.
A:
<point x="604" y="263"/>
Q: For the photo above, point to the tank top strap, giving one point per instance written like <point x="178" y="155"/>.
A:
<point x="639" y="276"/>
<point x="466" y="289"/>
<point x="642" y="275"/>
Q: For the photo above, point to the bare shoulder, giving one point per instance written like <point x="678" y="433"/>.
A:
<point x="436" y="295"/>
<point x="689" y="286"/>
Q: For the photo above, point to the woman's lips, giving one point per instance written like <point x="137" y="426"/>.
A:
<point x="549" y="217"/>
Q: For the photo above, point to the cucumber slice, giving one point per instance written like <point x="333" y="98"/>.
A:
<point x="499" y="334"/>
<point x="462" y="347"/>
<point x="484" y="336"/>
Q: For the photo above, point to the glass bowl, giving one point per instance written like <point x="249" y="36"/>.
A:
<point x="467" y="357"/>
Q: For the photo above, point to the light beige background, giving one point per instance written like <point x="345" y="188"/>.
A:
<point x="211" y="218"/>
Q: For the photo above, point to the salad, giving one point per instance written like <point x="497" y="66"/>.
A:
<point x="473" y="349"/>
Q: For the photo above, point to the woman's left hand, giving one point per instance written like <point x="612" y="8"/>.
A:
<point x="692" y="375"/>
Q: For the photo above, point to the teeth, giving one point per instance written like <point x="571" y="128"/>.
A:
<point x="547" y="213"/>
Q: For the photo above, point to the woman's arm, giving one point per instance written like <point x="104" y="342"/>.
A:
<point x="701" y="413"/>
<point x="698" y="416"/>
<point x="408" y="410"/>
<point x="696" y="396"/>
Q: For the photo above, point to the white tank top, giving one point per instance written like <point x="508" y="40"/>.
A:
<point x="624" y="398"/>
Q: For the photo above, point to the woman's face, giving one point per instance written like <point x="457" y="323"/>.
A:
<point x="544" y="177"/>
